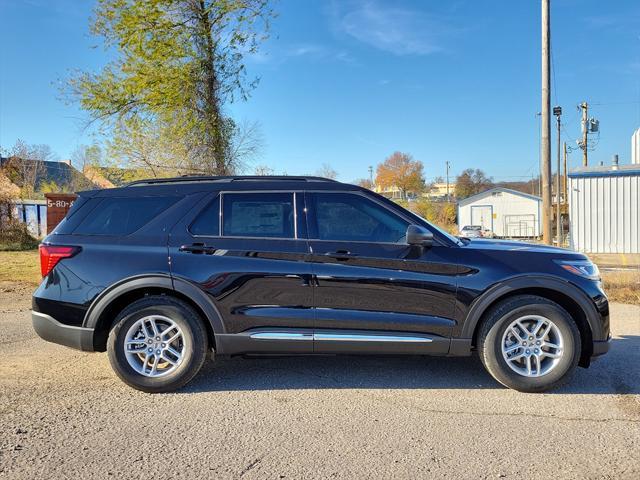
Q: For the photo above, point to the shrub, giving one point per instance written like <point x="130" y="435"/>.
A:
<point x="14" y="235"/>
<point x="442" y="214"/>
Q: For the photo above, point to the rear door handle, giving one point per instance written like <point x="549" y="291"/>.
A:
<point x="197" y="248"/>
<point x="341" y="255"/>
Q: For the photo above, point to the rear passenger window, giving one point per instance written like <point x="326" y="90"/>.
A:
<point x="122" y="216"/>
<point x="258" y="215"/>
<point x="208" y="221"/>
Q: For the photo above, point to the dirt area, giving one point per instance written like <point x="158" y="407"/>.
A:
<point x="64" y="414"/>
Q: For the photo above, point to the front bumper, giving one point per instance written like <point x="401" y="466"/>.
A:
<point x="49" y="329"/>
<point x="601" y="347"/>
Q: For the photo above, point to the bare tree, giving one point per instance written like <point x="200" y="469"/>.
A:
<point x="263" y="170"/>
<point x="327" y="171"/>
<point x="24" y="166"/>
<point x="364" y="183"/>
<point x="246" y="144"/>
<point x="87" y="156"/>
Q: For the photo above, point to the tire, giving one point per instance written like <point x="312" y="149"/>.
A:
<point x="179" y="360"/>
<point x="548" y="368"/>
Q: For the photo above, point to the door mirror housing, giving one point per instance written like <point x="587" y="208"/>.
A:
<point x="417" y="235"/>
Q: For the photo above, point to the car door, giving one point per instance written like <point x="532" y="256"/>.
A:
<point x="374" y="292"/>
<point x="247" y="251"/>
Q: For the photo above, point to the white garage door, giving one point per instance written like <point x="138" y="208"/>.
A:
<point x="481" y="215"/>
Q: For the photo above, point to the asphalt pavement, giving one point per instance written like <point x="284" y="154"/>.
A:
<point x="63" y="413"/>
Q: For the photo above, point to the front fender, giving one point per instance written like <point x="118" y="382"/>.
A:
<point x="536" y="282"/>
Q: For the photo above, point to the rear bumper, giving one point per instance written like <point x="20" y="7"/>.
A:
<point x="49" y="329"/>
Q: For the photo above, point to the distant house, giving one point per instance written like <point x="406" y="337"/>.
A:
<point x="392" y="192"/>
<point x="44" y="174"/>
<point x="49" y="176"/>
<point x="507" y="213"/>
<point x="440" y="190"/>
<point x="109" y="177"/>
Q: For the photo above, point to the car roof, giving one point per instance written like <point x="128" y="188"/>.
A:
<point x="186" y="185"/>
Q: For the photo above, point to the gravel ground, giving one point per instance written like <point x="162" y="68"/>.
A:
<point x="63" y="414"/>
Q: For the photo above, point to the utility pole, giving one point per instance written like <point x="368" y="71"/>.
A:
<point x="539" y="114"/>
<point x="585" y="131"/>
<point x="371" y="176"/>
<point x="564" y="186"/>
<point x="557" y="111"/>
<point x="533" y="185"/>
<point x="545" y="167"/>
<point x="448" y="197"/>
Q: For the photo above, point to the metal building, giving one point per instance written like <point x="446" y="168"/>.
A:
<point x="604" y="209"/>
<point x="635" y="147"/>
<point x="507" y="213"/>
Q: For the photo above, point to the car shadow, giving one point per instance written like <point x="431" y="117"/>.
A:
<point x="616" y="373"/>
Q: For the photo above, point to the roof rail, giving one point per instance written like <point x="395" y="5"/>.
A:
<point x="228" y="178"/>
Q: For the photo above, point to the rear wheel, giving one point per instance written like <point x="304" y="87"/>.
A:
<point x="158" y="344"/>
<point x="529" y="343"/>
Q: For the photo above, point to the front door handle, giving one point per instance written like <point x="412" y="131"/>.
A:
<point x="341" y="255"/>
<point x="197" y="248"/>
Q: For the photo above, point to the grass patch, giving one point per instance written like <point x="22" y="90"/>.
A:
<point x="622" y="286"/>
<point x="20" y="267"/>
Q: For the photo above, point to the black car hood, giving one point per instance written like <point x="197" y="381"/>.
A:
<point x="512" y="246"/>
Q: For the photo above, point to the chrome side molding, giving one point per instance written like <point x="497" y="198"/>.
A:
<point x="281" y="336"/>
<point x="339" y="337"/>
<point x="350" y="337"/>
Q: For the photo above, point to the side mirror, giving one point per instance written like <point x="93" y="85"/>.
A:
<point x="417" y="235"/>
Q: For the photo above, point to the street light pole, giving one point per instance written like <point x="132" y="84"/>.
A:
<point x="448" y="197"/>
<point x="557" y="111"/>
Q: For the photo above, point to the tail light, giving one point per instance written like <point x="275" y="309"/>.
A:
<point x="50" y="255"/>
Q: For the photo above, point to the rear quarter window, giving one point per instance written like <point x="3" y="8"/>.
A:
<point x="123" y="215"/>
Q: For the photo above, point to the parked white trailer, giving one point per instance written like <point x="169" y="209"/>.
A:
<point x="604" y="209"/>
<point x="507" y="213"/>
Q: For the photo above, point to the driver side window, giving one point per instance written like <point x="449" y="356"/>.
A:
<point x="352" y="217"/>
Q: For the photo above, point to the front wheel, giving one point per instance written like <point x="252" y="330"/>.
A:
<point x="529" y="343"/>
<point x="158" y="344"/>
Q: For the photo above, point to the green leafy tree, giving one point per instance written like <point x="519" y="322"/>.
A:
<point x="471" y="182"/>
<point x="177" y="63"/>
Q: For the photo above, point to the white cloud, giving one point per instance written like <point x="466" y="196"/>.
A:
<point x="301" y="52"/>
<point x="401" y="31"/>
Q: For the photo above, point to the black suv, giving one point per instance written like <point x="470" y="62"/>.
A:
<point x="160" y="272"/>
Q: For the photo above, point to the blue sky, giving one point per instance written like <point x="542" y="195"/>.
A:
<point x="349" y="82"/>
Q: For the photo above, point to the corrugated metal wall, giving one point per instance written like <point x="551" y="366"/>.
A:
<point x="604" y="213"/>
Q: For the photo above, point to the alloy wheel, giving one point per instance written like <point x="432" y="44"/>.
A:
<point x="532" y="346"/>
<point x="154" y="346"/>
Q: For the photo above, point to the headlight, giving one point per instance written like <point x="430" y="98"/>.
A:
<point x="583" y="268"/>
